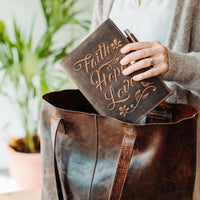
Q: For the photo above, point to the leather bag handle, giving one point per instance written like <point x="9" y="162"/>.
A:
<point x="55" y="124"/>
<point x="123" y="163"/>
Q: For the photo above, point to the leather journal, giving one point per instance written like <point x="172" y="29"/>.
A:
<point x="94" y="66"/>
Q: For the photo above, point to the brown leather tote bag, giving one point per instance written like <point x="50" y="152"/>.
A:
<point x="86" y="156"/>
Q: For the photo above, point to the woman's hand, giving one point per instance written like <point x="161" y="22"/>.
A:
<point x="144" y="53"/>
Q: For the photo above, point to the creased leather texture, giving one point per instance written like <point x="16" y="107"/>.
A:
<point x="87" y="148"/>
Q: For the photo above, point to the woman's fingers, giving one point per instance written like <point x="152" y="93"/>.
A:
<point x="137" y="55"/>
<point x="137" y="46"/>
<point x="144" y="63"/>
<point x="155" y="71"/>
<point x="144" y="54"/>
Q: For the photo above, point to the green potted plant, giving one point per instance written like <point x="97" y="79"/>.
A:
<point x="29" y="71"/>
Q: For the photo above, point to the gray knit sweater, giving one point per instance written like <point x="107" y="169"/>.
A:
<point x="183" y="46"/>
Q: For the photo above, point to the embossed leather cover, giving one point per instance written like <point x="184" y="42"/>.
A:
<point x="94" y="66"/>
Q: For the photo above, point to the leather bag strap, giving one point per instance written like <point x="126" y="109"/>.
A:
<point x="122" y="164"/>
<point x="55" y="123"/>
<point x="124" y="159"/>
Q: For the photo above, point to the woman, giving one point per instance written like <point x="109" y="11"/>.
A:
<point x="171" y="30"/>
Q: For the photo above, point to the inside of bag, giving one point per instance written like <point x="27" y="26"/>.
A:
<point x="75" y="100"/>
<point x="70" y="100"/>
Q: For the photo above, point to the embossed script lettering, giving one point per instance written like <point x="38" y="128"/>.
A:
<point x="119" y="96"/>
<point x="90" y="61"/>
<point x="103" y="68"/>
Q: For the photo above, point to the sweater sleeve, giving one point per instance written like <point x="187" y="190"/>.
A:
<point x="184" y="70"/>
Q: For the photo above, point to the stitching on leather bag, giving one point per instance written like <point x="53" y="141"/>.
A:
<point x="125" y="156"/>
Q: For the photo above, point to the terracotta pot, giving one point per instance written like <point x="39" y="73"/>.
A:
<point x="25" y="168"/>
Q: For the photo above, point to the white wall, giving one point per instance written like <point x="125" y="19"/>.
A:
<point x="23" y="12"/>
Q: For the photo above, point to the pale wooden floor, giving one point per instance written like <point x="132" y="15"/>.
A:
<point x="9" y="190"/>
<point x="33" y="194"/>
